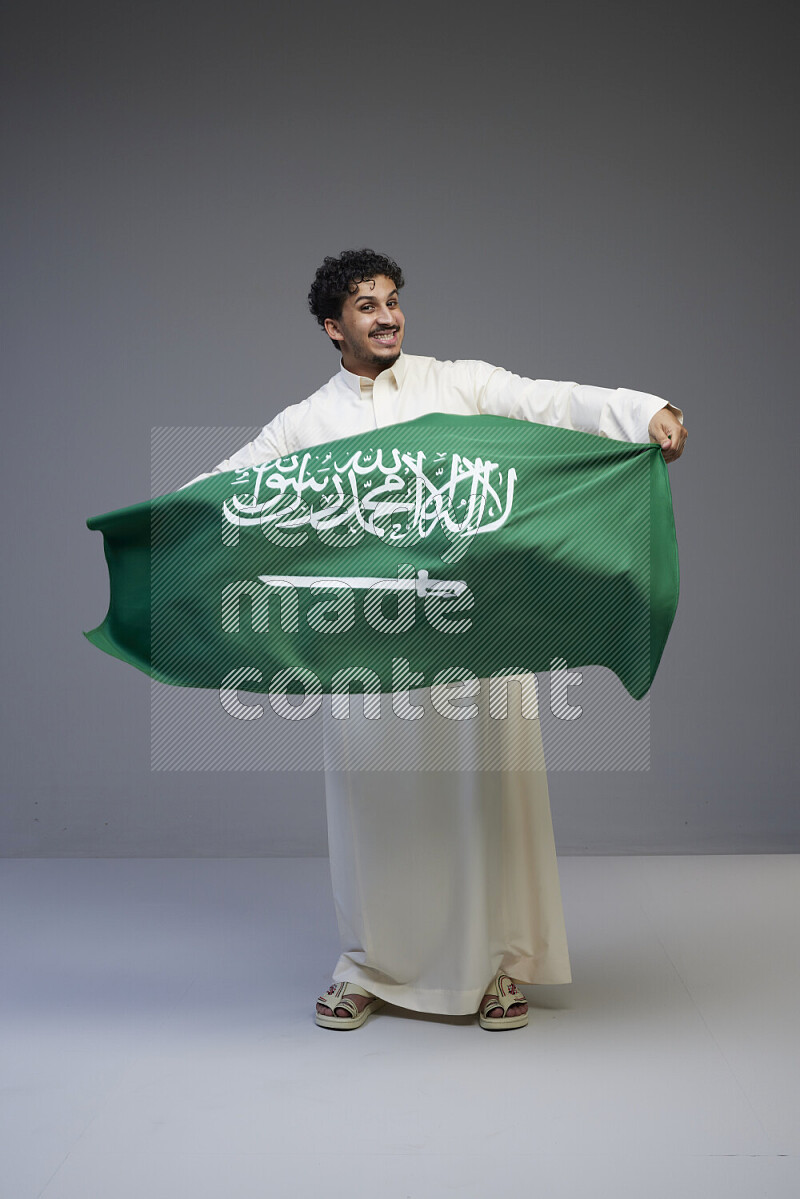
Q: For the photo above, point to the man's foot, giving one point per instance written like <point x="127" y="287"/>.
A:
<point x="360" y="1001"/>
<point x="516" y="1009"/>
<point x="503" y="1006"/>
<point x="345" y="1005"/>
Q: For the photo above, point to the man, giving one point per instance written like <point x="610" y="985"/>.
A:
<point x="445" y="882"/>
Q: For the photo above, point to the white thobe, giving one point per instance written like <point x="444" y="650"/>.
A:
<point x="440" y="878"/>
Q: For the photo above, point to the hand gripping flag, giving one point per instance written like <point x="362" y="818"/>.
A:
<point x="442" y="548"/>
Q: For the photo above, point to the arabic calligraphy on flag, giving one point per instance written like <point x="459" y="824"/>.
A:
<point x="401" y="497"/>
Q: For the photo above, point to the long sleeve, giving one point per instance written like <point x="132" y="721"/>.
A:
<point x="619" y="413"/>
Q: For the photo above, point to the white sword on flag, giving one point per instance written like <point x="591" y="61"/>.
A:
<point x="422" y="583"/>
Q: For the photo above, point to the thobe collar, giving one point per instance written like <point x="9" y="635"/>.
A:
<point x="360" y="383"/>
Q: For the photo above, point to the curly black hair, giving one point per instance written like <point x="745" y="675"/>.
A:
<point x="339" y="277"/>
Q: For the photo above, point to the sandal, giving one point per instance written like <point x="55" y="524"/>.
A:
<point x="507" y="993"/>
<point x="336" y="996"/>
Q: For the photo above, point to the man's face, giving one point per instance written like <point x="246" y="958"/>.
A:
<point x="370" y="329"/>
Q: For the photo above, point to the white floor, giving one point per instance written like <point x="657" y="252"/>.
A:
<point x="158" y="1042"/>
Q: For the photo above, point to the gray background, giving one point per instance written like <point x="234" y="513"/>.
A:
<point x="574" y="192"/>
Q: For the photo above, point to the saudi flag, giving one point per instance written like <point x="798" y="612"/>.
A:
<point x="443" y="548"/>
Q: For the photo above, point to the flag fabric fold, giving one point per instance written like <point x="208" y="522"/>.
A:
<point x="444" y="548"/>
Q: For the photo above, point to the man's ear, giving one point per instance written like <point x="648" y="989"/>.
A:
<point x="333" y="329"/>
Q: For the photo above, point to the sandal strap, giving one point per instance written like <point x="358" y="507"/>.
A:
<point x="336" y="996"/>
<point x="503" y="994"/>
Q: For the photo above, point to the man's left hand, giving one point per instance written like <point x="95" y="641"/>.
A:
<point x="667" y="431"/>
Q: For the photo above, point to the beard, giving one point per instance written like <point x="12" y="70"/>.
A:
<point x="383" y="359"/>
<point x="372" y="357"/>
<point x="363" y="351"/>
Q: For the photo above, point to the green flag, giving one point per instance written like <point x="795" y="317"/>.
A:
<point x="441" y="548"/>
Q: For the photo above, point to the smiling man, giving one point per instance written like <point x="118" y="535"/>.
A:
<point x="445" y="882"/>
<point x="368" y="326"/>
